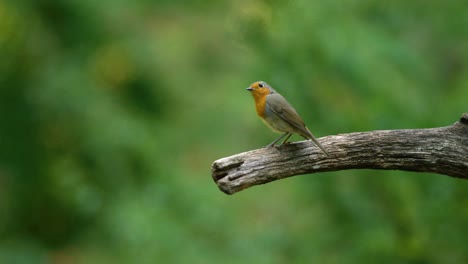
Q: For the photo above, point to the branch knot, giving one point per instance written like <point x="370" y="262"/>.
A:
<point x="464" y="119"/>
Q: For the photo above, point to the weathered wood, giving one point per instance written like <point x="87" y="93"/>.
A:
<point x="442" y="150"/>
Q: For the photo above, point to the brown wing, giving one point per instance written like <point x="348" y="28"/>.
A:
<point x="283" y="109"/>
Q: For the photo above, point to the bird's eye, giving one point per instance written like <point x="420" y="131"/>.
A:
<point x="260" y="85"/>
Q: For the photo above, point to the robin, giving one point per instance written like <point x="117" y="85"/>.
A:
<point x="278" y="114"/>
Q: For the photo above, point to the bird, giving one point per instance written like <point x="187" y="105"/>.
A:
<point x="278" y="114"/>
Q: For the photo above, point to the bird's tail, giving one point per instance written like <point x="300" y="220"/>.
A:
<point x="311" y="137"/>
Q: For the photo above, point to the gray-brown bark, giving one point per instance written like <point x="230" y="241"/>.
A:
<point x="442" y="150"/>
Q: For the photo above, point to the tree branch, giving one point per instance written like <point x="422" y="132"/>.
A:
<point x="442" y="150"/>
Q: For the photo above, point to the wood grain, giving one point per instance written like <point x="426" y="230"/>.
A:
<point x="442" y="150"/>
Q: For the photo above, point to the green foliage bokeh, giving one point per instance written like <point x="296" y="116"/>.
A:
<point x="113" y="111"/>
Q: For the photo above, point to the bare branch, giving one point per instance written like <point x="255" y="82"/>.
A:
<point x="442" y="150"/>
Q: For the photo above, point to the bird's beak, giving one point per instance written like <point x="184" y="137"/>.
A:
<point x="249" y="89"/>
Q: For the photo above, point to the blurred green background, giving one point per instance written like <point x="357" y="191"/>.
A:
<point x="113" y="111"/>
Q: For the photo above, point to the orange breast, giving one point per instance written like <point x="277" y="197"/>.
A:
<point x="260" y="102"/>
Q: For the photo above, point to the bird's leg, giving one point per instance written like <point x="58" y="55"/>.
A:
<point x="286" y="140"/>
<point x="274" y="142"/>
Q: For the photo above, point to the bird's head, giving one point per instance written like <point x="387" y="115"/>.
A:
<point x="260" y="89"/>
